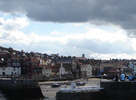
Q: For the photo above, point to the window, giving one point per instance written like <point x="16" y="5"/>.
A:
<point x="3" y="73"/>
<point x="3" y="68"/>
<point x="14" y="69"/>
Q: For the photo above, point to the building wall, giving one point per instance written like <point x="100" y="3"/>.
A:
<point x="46" y="72"/>
<point x="9" y="71"/>
<point x="86" y="70"/>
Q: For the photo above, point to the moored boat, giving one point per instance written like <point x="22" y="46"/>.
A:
<point x="79" y="93"/>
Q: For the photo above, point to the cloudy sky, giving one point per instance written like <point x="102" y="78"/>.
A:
<point x="100" y="29"/>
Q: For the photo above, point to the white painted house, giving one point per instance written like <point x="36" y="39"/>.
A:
<point x="61" y="70"/>
<point x="86" y="70"/>
<point x="10" y="71"/>
<point x="13" y="68"/>
<point x="46" y="71"/>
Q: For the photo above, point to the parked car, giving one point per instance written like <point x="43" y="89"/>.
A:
<point x="80" y="83"/>
<point x="54" y="85"/>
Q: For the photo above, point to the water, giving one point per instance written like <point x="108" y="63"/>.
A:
<point x="3" y="97"/>
<point x="50" y="92"/>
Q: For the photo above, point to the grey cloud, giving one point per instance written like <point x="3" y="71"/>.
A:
<point x="120" y="12"/>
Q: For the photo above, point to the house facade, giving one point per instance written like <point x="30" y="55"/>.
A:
<point x="10" y="71"/>
<point x="47" y="71"/>
<point x="86" y="70"/>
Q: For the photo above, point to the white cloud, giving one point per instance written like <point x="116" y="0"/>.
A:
<point x="113" y="55"/>
<point x="99" y="42"/>
<point x="14" y="23"/>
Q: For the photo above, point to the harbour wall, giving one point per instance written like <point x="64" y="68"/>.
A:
<point x="22" y="88"/>
<point x="111" y="91"/>
<point x="119" y="90"/>
<point x="88" y="95"/>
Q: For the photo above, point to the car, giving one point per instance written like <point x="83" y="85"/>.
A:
<point x="55" y="85"/>
<point x="80" y="83"/>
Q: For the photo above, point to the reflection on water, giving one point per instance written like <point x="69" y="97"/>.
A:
<point x="3" y="97"/>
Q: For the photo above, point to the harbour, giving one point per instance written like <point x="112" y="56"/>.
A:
<point x="54" y="77"/>
<point x="93" y="89"/>
<point x="50" y="91"/>
<point x="12" y="89"/>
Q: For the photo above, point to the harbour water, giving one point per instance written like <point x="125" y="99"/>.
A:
<point x="3" y="97"/>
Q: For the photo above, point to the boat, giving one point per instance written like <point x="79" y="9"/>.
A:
<point x="50" y="89"/>
<point x="75" y="92"/>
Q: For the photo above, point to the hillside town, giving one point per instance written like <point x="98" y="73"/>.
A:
<point x="38" y="66"/>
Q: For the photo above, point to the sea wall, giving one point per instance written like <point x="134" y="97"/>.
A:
<point x="22" y="88"/>
<point x="88" y="95"/>
<point x="119" y="90"/>
<point x="111" y="91"/>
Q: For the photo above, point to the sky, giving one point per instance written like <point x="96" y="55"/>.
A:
<point x="100" y="29"/>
